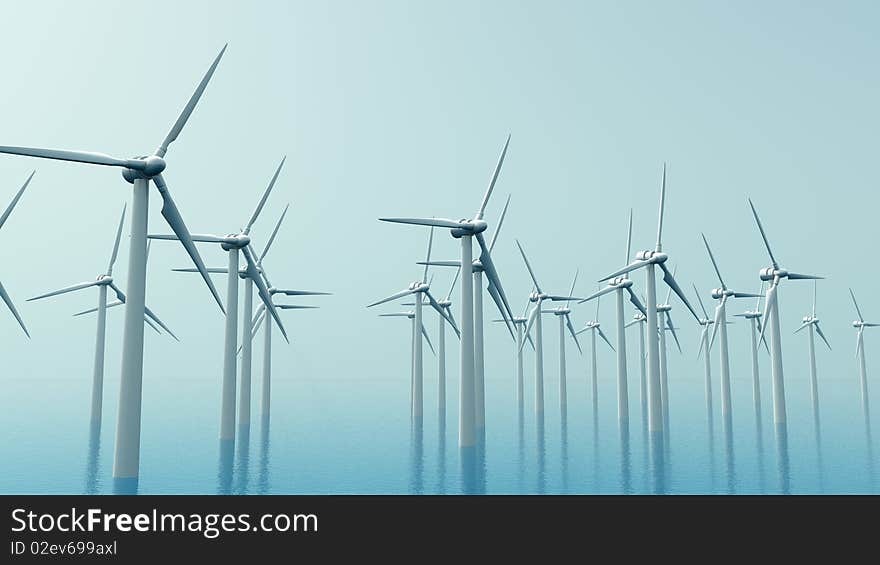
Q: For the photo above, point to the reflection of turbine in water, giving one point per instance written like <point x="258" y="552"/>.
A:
<point x="242" y="463"/>
<point x="729" y="457"/>
<point x="225" y="466"/>
<point x="441" y="452"/>
<point x="93" y="485"/>
<point x="563" y="450"/>
<point x="541" y="445"/>
<point x="657" y="463"/>
<point x="625" y="458"/>
<point x="783" y="465"/>
<point x="263" y="477"/>
<point x="417" y="458"/>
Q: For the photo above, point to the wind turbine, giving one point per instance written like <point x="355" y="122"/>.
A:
<point x="138" y="171"/>
<point x="720" y="328"/>
<point x="538" y="296"/>
<point x="811" y="322"/>
<point x="595" y="328"/>
<point x="415" y="334"/>
<point x="466" y="230"/>
<point x="103" y="282"/>
<point x="3" y="294"/>
<point x="519" y="323"/>
<point x="479" y="355"/>
<point x="861" y="324"/>
<point x="705" y="322"/>
<point x="233" y="244"/>
<point x="563" y="314"/>
<point x="650" y="260"/>
<point x="419" y="289"/>
<point x="775" y="274"/>
<point x="754" y="318"/>
<point x="622" y="284"/>
<point x="446" y="304"/>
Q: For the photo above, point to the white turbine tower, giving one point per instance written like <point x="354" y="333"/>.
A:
<point x="705" y="322"/>
<point x="3" y="294"/>
<point x="622" y="284"/>
<point x="563" y="314"/>
<point x="860" y="325"/>
<point x="138" y="171"/>
<point x="595" y="328"/>
<point x="479" y="354"/>
<point x="650" y="260"/>
<point x="233" y="244"/>
<point x="420" y="289"/>
<point x="414" y="334"/>
<point x="720" y="329"/>
<point x="811" y="322"/>
<point x="103" y="282"/>
<point x="754" y="318"/>
<point x="538" y="296"/>
<point x="774" y="274"/>
<point x="466" y="230"/>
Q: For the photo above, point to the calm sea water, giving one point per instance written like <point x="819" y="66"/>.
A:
<point x="352" y="434"/>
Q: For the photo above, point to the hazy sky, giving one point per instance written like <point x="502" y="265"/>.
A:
<point x="401" y="108"/>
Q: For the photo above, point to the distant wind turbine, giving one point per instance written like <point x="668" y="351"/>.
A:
<point x="595" y="328"/>
<point x="754" y="318"/>
<point x="466" y="230"/>
<point x="650" y="260"/>
<point x="774" y="274"/>
<point x="563" y="314"/>
<point x="860" y="324"/>
<point x="3" y="294"/>
<point x="103" y="282"/>
<point x="538" y="296"/>
<point x="811" y="322"/>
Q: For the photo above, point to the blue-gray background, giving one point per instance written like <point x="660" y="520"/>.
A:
<point x="400" y="108"/>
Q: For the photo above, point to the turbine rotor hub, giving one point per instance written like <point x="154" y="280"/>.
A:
<point x="235" y="241"/>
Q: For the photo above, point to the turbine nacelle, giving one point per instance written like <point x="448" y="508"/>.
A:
<point x="419" y="286"/>
<point x="771" y="273"/>
<point x="810" y="320"/>
<point x="857" y="323"/>
<point x="104" y="280"/>
<point x="143" y="168"/>
<point x="664" y="307"/>
<point x="235" y="241"/>
<point x="621" y="282"/>
<point x="470" y="227"/>
<point x="444" y="303"/>
<point x="534" y="297"/>
<point x="561" y="311"/>
<point x="655" y="257"/>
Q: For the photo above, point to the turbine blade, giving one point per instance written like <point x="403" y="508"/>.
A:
<point x="212" y="270"/>
<point x="428" y="339"/>
<point x="671" y="327"/>
<point x="500" y="223"/>
<point x="6" y="298"/>
<point x="440" y="310"/>
<point x="702" y="340"/>
<point x="394" y="296"/>
<point x="152" y="325"/>
<point x="699" y="298"/>
<point x="714" y="263"/>
<point x="573" y="283"/>
<point x="64" y="290"/>
<point x="637" y="264"/>
<point x="75" y="156"/>
<point x="662" y="206"/>
<point x="529" y="267"/>
<point x="860" y="342"/>
<point x="492" y="273"/>
<point x="288" y="292"/>
<point x="763" y="235"/>
<point x="438" y="222"/>
<point x="822" y="335"/>
<point x="629" y="236"/>
<point x="428" y="258"/>
<point x="396" y="315"/>
<point x="536" y="311"/>
<point x="263" y="291"/>
<point x="573" y="333"/>
<point x="440" y="263"/>
<point x="493" y="292"/>
<point x="274" y="233"/>
<point x="802" y="326"/>
<point x="116" y="242"/>
<point x="454" y="280"/>
<point x="493" y="179"/>
<point x="669" y="279"/>
<point x="264" y="197"/>
<point x="557" y="298"/>
<point x="190" y="106"/>
<point x="769" y="301"/>
<point x="149" y="313"/>
<point x="856" y="304"/>
<point x="295" y="307"/>
<point x="801" y="276"/>
<point x="597" y="294"/>
<point x="746" y="295"/>
<point x="715" y="324"/>
<point x="604" y="337"/>
<point x="636" y="302"/>
<point x="175" y="221"/>
<point x="15" y="199"/>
